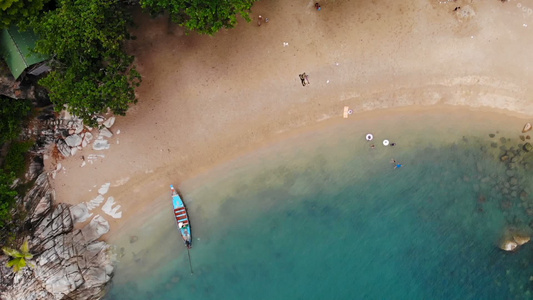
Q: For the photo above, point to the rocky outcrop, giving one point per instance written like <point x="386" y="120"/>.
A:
<point x="70" y="135"/>
<point x="508" y="245"/>
<point x="70" y="263"/>
<point x="513" y="239"/>
<point x="521" y="239"/>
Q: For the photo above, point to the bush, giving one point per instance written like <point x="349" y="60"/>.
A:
<point x="15" y="161"/>
<point x="7" y="198"/>
<point x="12" y="113"/>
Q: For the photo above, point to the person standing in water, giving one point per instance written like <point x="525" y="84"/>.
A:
<point x="397" y="165"/>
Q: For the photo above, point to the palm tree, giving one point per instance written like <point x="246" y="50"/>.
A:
<point x="21" y="258"/>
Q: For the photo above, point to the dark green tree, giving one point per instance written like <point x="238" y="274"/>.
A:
<point x="203" y="16"/>
<point x="12" y="112"/>
<point x="14" y="11"/>
<point x="91" y="71"/>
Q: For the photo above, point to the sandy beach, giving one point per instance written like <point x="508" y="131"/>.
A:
<point x="205" y="100"/>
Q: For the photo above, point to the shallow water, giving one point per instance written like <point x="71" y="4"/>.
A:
<point x="322" y="215"/>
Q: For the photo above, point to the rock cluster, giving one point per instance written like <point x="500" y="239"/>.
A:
<point x="513" y="241"/>
<point x="512" y="190"/>
<point x="77" y="136"/>
<point x="517" y="159"/>
<point x="70" y="264"/>
<point x="68" y="133"/>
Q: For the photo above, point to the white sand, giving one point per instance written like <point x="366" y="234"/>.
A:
<point x="205" y="100"/>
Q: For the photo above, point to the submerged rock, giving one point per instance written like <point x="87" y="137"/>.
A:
<point x="520" y="240"/>
<point x="508" y="245"/>
<point x="528" y="147"/>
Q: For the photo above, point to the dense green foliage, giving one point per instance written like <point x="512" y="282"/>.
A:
<point x="14" y="11"/>
<point x="15" y="161"/>
<point x="7" y="198"/>
<point x="21" y="258"/>
<point x="91" y="71"/>
<point x="203" y="16"/>
<point x="12" y="112"/>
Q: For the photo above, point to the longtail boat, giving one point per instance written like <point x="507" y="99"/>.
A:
<point x="182" y="219"/>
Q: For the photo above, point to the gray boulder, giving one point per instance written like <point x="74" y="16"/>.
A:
<point x="63" y="148"/>
<point x="80" y="213"/>
<point x="104" y="132"/>
<point x="73" y="140"/>
<point x="109" y="122"/>
<point x="100" y="145"/>
<point x="95" y="229"/>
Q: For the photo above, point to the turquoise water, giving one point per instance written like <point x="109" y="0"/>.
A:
<point x="324" y="216"/>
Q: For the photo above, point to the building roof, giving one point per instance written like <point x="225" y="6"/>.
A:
<point x="15" y="48"/>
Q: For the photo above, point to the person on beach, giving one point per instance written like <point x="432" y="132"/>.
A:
<point x="302" y="78"/>
<point x="307" y="78"/>
<point x="317" y="6"/>
<point x="259" y="19"/>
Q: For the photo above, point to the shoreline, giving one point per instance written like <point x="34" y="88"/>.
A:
<point x="205" y="101"/>
<point x="156" y="185"/>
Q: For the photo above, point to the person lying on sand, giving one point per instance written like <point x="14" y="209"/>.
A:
<point x="302" y="78"/>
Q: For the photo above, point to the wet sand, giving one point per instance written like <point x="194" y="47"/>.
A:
<point x="206" y="100"/>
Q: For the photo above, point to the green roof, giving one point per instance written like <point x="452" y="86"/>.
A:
<point x="15" y="48"/>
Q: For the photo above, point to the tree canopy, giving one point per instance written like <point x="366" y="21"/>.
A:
<point x="14" y="11"/>
<point x="91" y="71"/>
<point x="203" y="16"/>
<point x="12" y="111"/>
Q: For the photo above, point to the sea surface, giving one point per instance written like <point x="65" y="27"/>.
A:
<point x="323" y="215"/>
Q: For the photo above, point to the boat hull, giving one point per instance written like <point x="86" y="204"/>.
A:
<point x="182" y="217"/>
